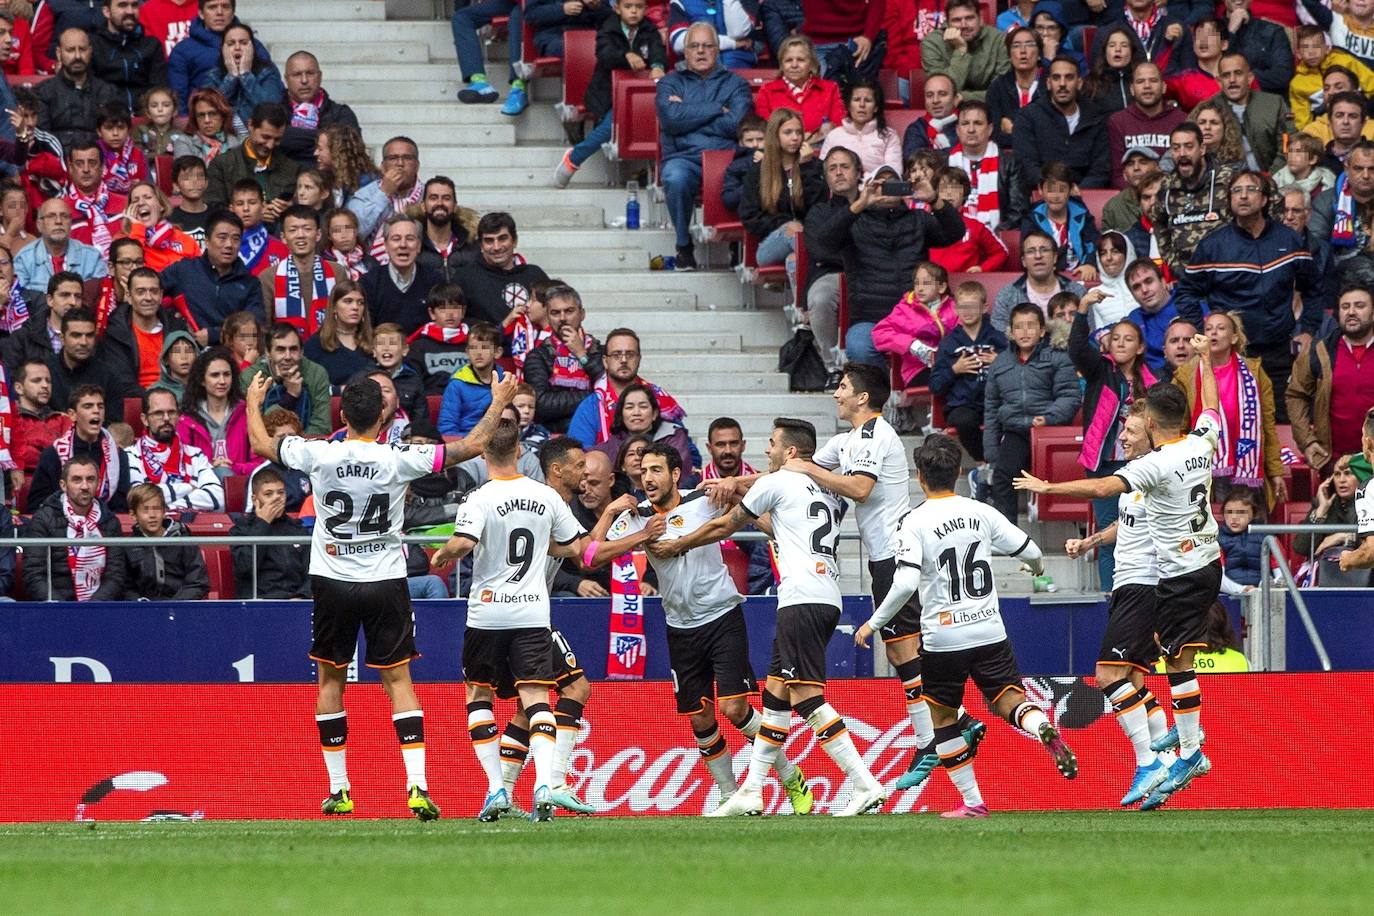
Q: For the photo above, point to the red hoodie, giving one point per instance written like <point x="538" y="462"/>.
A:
<point x="907" y="22"/>
<point x="168" y="21"/>
<point x="831" y="22"/>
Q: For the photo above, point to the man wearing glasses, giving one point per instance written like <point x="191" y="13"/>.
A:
<point x="182" y="472"/>
<point x="1252" y="266"/>
<point x="398" y="188"/>
<point x="55" y="250"/>
<point x="591" y="423"/>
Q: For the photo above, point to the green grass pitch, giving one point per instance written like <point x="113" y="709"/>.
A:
<point x="1291" y="862"/>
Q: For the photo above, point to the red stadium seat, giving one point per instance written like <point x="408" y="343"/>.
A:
<point x="917" y="78"/>
<point x="1011" y="238"/>
<point x="718" y="222"/>
<point x="634" y="133"/>
<point x="21" y="501"/>
<point x="335" y="414"/>
<point x="892" y="93"/>
<point x="899" y="119"/>
<point x="163" y="166"/>
<point x="801" y="262"/>
<point x="434" y="401"/>
<point x="209" y="524"/>
<point x="992" y="281"/>
<point x="1054" y="457"/>
<point x="133" y="414"/>
<point x="579" y="63"/>
<point x="737" y="562"/>
<point x="1096" y="199"/>
<point x="219" y="563"/>
<point x="756" y="76"/>
<point x="27" y="81"/>
<point x="236" y="493"/>
<point x="1303" y="480"/>
<point x="535" y="64"/>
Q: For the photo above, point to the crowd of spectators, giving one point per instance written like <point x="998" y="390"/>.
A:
<point x="1237" y="152"/>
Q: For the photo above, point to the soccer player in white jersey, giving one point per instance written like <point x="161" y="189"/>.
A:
<point x="707" y="637"/>
<point x="508" y="524"/>
<point x="943" y="548"/>
<point x="1128" y="649"/>
<point x="868" y="465"/>
<point x="358" y="569"/>
<point x="804" y="519"/>
<point x="1362" y="557"/>
<point x="1176" y="480"/>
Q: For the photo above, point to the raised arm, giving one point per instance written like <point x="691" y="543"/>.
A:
<point x="1208" y="386"/>
<point x="1089" y="488"/>
<point x="593" y="551"/>
<point x="472" y="445"/>
<point x="264" y="445"/>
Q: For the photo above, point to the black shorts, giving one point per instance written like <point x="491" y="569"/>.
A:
<point x="1181" y="608"/>
<point x="992" y="667"/>
<point x="907" y="623"/>
<point x="803" y="632"/>
<point x="719" y="651"/>
<point x="1130" y="636"/>
<point x="505" y="660"/>
<point x="380" y="609"/>
<point x="564" y="665"/>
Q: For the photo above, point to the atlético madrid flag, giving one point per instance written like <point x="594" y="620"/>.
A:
<point x="629" y="647"/>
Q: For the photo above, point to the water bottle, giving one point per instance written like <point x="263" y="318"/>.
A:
<point x="632" y="205"/>
<point x="1044" y="583"/>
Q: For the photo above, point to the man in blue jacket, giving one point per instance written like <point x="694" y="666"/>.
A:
<point x="192" y="60"/>
<point x="699" y="108"/>
<point x="1253" y="265"/>
<point x="213" y="286"/>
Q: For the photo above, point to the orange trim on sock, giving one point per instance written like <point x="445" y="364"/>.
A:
<point x="412" y="746"/>
<point x="1136" y="705"/>
<point x="333" y="750"/>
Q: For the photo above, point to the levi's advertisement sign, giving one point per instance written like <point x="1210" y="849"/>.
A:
<point x="136" y="752"/>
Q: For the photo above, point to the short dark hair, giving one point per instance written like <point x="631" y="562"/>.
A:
<point x="1343" y="71"/>
<point x="81" y="392"/>
<point x="873" y="381"/>
<point x="273" y="114"/>
<point x="446" y="295"/>
<point x="145" y="273"/>
<point x="1354" y="288"/>
<point x="1026" y="308"/>
<point x="75" y="460"/>
<point x="361" y="404"/>
<point x="556" y="450"/>
<point x="21" y="372"/>
<point x="124" y="241"/>
<point x="504" y="439"/>
<point x="1038" y="234"/>
<point x="953" y="5"/>
<point x="938" y="460"/>
<point x="1167" y="404"/>
<point x="264" y="476"/>
<point x="1347" y="98"/>
<point x="1233" y="52"/>
<point x="1140" y="264"/>
<point x="1062" y="58"/>
<point x="623" y="332"/>
<point x="751" y="122"/>
<point x="618" y="421"/>
<point x="64" y="276"/>
<point x="112" y="113"/>
<point x="301" y="211"/>
<point x="492" y="223"/>
<point x="401" y="138"/>
<point x="486" y="332"/>
<point x="1187" y="127"/>
<point x="976" y="105"/>
<point x="280" y="329"/>
<point x="723" y="423"/>
<point x="1056" y="171"/>
<point x="183" y="164"/>
<point x="834" y="150"/>
<point x="443" y="180"/>
<point x="76" y="315"/>
<point x="221" y="217"/>
<point x="667" y="453"/>
<point x="798" y="434"/>
<point x="146" y="400"/>
<point x="80" y="145"/>
<point x="247" y="186"/>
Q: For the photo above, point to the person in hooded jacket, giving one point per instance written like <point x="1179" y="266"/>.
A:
<point x="162" y="570"/>
<point x="191" y="61"/>
<point x="1115" y="53"/>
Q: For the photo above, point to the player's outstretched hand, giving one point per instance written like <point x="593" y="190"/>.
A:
<point x="1028" y="481"/>
<point x="445" y="555"/>
<point x="257" y="391"/>
<point x="503" y="389"/>
<point x="862" y="636"/>
<point x="721" y="492"/>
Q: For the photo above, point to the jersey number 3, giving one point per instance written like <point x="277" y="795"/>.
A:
<point x="376" y="513"/>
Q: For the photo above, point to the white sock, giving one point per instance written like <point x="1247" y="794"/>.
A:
<point x="543" y="738"/>
<point x="919" y="713"/>
<point x="958" y="763"/>
<point x="1187" y="701"/>
<point x="1128" y="702"/>
<point x="768" y="744"/>
<point x="482" y="730"/>
<point x="785" y="768"/>
<point x="1029" y="718"/>
<point x="410" y="730"/>
<point x="834" y="737"/>
<point x="715" y="753"/>
<point x="333" y="728"/>
<point x="515" y="750"/>
<point x="563" y="744"/>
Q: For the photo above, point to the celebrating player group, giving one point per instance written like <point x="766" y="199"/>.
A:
<point x="518" y="531"/>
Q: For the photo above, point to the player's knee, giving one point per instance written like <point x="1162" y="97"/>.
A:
<point x="579" y="691"/>
<point x="703" y="721"/>
<point x="736" y="709"/>
<point x="1108" y="674"/>
<point x="902" y="651"/>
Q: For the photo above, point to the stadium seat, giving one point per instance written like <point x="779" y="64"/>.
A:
<point x="219" y="564"/>
<point x="434" y="401"/>
<point x="917" y="78"/>
<point x="1054" y="456"/>
<point x="163" y="167"/>
<point x="1292" y="512"/>
<point x="209" y="524"/>
<point x="718" y="222"/>
<point x="133" y="414"/>
<point x="235" y="493"/>
<point x="579" y="63"/>
<point x="737" y="562"/>
<point x="21" y="497"/>
<point x="1011" y="238"/>
<point x="899" y="119"/>
<point x="892" y="93"/>
<point x="335" y="414"/>
<point x="1302" y="479"/>
<point x="992" y="281"/>
<point x="26" y="80"/>
<point x="634" y="131"/>
<point x="534" y="64"/>
<point x="1096" y="198"/>
<point x="756" y="76"/>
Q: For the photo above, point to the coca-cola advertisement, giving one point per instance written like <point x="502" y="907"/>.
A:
<point x="133" y="752"/>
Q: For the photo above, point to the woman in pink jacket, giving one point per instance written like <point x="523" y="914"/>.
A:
<point x="914" y="327"/>
<point x="213" y="418"/>
<point x="865" y="131"/>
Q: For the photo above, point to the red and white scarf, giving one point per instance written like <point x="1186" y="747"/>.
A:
<point x="629" y="648"/>
<point x="288" y="303"/>
<point x="92" y="209"/>
<point x="163" y="237"/>
<point x="451" y="336"/>
<point x="935" y="130"/>
<point x="352" y="262"/>
<point x="985" y="203"/>
<point x="524" y="337"/>
<point x="86" y="564"/>
<point x="799" y="92"/>
<point x="120" y="169"/>
<point x="161" y="462"/>
<point x="7" y="419"/>
<point x="16" y="311"/>
<point x="1144" y="28"/>
<point x="711" y="472"/>
<point x="1024" y="96"/>
<point x="398" y="205"/>
<point x="106" y="305"/>
<point x="567" y="371"/>
<point x="306" y="115"/>
<point x="109" y="459"/>
<point x="606" y="399"/>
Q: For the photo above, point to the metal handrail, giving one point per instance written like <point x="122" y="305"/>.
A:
<point x="1269" y="550"/>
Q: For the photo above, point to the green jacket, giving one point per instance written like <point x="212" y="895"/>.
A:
<point x="1121" y="213"/>
<point x="230" y="167"/>
<point x="1266" y="123"/>
<point x="971" y="69"/>
<point x="313" y="406"/>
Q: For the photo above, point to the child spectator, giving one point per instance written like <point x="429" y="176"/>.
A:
<point x="1029" y="384"/>
<point x="341" y="243"/>
<point x="282" y="569"/>
<point x="924" y="165"/>
<point x="192" y="214"/>
<point x="313" y="190"/>
<point x="179" y="352"/>
<point x="1315" y="55"/>
<point x="159" y="106"/>
<point x="282" y="423"/>
<point x="1067" y="221"/>
<point x="167" y="572"/>
<point x="1240" y="550"/>
<point x="912" y="331"/>
<point x="1114" y="377"/>
<point x="242" y="334"/>
<point x="1304" y="153"/>
<point x="1348" y="30"/>
<point x="864" y="129"/>
<point x="979" y="250"/>
<point x="623" y="42"/>
<point x="528" y="328"/>
<point x="1060" y="311"/>
<point x="439" y="346"/>
<point x="799" y="86"/>
<point x="532" y="434"/>
<point x="123" y="434"/>
<point x="125" y="164"/>
<point x="389" y="351"/>
<point x="779" y="189"/>
<point x="751" y="134"/>
<point x="259" y="249"/>
<point x="959" y="375"/>
<point x="468" y="394"/>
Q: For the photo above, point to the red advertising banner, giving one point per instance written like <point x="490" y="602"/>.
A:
<point x="130" y="752"/>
